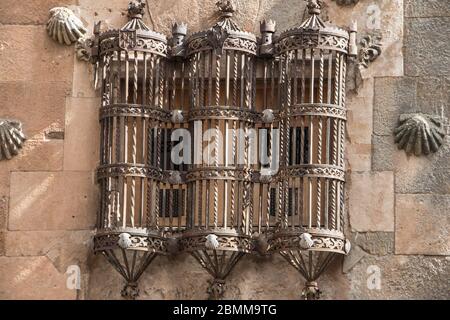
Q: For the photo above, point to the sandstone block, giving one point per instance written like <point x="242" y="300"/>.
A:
<point x="383" y="149"/>
<point x="29" y="54"/>
<point x="428" y="8"/>
<point x="425" y="174"/>
<point x="377" y="243"/>
<point x="422" y="224"/>
<point x="52" y="201"/>
<point x="38" y="155"/>
<point x="82" y="132"/>
<point x="33" y="278"/>
<point x="401" y="277"/>
<point x="63" y="248"/>
<point x="29" y="12"/>
<point x="427" y="50"/>
<point x="3" y="212"/>
<point x="38" y="105"/>
<point x="358" y="157"/>
<point x="371" y="201"/>
<point x="393" y="96"/>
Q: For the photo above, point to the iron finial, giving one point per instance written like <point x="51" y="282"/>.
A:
<point x="136" y="9"/>
<point x="226" y="7"/>
<point x="314" y="7"/>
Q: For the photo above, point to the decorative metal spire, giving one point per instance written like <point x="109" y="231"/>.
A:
<point x="314" y="7"/>
<point x="313" y="22"/>
<point x="135" y="13"/>
<point x="226" y="7"/>
<point x="136" y="9"/>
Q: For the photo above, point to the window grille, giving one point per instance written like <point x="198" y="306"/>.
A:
<point x="287" y="93"/>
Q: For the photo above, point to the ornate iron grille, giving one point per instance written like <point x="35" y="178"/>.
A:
<point x="286" y="93"/>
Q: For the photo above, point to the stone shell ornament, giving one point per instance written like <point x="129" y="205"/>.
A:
<point x="211" y="242"/>
<point x="306" y="241"/>
<point x="268" y="116"/>
<point x="419" y="133"/>
<point x="64" y="27"/>
<point x="11" y="138"/>
<point x="124" y="240"/>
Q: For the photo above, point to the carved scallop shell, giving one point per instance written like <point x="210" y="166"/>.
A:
<point x="176" y="116"/>
<point x="306" y="241"/>
<point x="124" y="240"/>
<point x="211" y="241"/>
<point x="268" y="116"/>
<point x="64" y="27"/>
<point x="175" y="177"/>
<point x="11" y="138"/>
<point x="419" y="133"/>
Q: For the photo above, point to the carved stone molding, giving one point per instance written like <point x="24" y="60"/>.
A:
<point x="11" y="138"/>
<point x="419" y="133"/>
<point x="370" y="49"/>
<point x="83" y="48"/>
<point x="64" y="27"/>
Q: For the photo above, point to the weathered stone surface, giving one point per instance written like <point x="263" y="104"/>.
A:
<point x="4" y="186"/>
<point x="166" y="278"/>
<point x="63" y="248"/>
<point x="425" y="174"/>
<point x="402" y="277"/>
<point x="433" y="94"/>
<point x="112" y="13"/>
<point x="38" y="105"/>
<point x="29" y="54"/>
<point x="358" y="157"/>
<point x="393" y="96"/>
<point x="31" y="155"/>
<point x="371" y="204"/>
<point x="81" y="143"/>
<point x="355" y="256"/>
<point x="3" y="212"/>
<point x="427" y="50"/>
<point x="383" y="149"/>
<point x="377" y="243"/>
<point x="83" y="80"/>
<point x="30" y="11"/>
<point x="52" y="201"/>
<point x="422" y="224"/>
<point x="390" y="62"/>
<point x="2" y="243"/>
<point x="360" y="114"/>
<point x="32" y="278"/>
<point x="360" y="127"/>
<point x="427" y="8"/>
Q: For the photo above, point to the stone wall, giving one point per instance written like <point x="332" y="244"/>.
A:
<point x="398" y="205"/>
